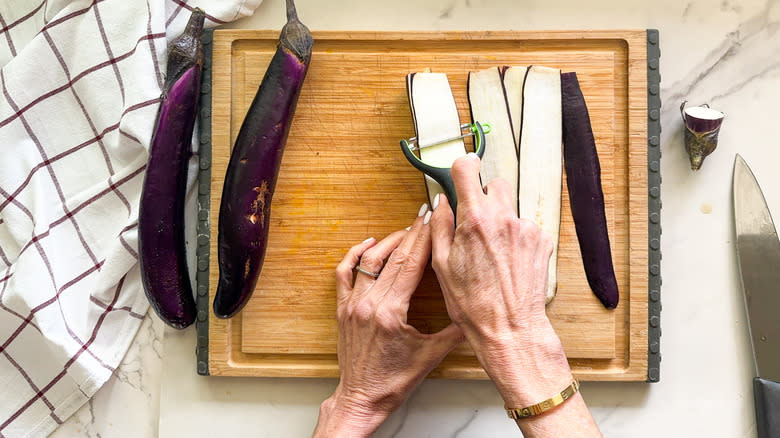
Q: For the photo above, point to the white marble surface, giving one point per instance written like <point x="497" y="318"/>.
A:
<point x="128" y="405"/>
<point x="721" y="52"/>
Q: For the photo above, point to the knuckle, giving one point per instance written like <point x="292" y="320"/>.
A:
<point x="529" y="231"/>
<point x="411" y="270"/>
<point x="529" y="240"/>
<point x="439" y="262"/>
<point x="489" y="221"/>
<point x="399" y="257"/>
<point x="546" y="242"/>
<point x="353" y="253"/>
<point x="346" y="311"/>
<point x="506" y="217"/>
<point x="386" y="319"/>
<point x="343" y="270"/>
<point x="362" y="311"/>
<point x="472" y="220"/>
<point x="371" y="261"/>
<point x="499" y="185"/>
<point x="527" y="225"/>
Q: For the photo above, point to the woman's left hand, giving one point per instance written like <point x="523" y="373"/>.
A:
<point x="381" y="357"/>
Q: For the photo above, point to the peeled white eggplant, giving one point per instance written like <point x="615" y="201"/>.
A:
<point x="435" y="118"/>
<point x="514" y="78"/>
<point x="489" y="105"/>
<point x="540" y="168"/>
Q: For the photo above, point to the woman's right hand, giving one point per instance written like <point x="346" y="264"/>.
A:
<point x="493" y="272"/>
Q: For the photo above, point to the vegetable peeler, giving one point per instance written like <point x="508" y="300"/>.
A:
<point x="442" y="175"/>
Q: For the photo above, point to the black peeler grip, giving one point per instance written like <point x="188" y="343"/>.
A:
<point x="442" y="175"/>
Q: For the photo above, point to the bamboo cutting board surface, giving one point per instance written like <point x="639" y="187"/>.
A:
<point x="343" y="179"/>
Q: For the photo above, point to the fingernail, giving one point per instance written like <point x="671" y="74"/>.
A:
<point x="368" y="240"/>
<point x="472" y="155"/>
<point x="436" y="201"/>
<point x="408" y="228"/>
<point x="427" y="218"/>
<point x="423" y="209"/>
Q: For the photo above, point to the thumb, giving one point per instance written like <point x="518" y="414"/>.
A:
<point x="442" y="230"/>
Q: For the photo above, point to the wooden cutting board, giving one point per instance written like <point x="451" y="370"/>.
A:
<point x="343" y="179"/>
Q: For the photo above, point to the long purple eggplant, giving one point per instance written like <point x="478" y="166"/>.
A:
<point x="583" y="177"/>
<point x="162" y="250"/>
<point x="250" y="180"/>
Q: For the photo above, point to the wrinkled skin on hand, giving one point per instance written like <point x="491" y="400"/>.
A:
<point x="493" y="265"/>
<point x="493" y="272"/>
<point x="381" y="357"/>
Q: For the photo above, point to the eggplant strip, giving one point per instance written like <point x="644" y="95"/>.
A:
<point x="540" y="173"/>
<point x="583" y="177"/>
<point x="513" y="80"/>
<point x="489" y="104"/>
<point x="435" y="118"/>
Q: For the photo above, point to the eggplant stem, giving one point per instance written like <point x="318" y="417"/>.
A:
<point x="194" y="26"/>
<point x="292" y="14"/>
<point x="295" y="35"/>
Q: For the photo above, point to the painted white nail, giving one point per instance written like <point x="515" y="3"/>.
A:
<point x="436" y="201"/>
<point x="423" y="209"/>
<point x="368" y="240"/>
<point x="427" y="218"/>
<point x="472" y="155"/>
<point x="408" y="228"/>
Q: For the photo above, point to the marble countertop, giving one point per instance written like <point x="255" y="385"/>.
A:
<point x="723" y="53"/>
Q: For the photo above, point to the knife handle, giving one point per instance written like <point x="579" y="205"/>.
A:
<point x="766" y="395"/>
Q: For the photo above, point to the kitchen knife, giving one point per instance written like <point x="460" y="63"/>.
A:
<point x="758" y="258"/>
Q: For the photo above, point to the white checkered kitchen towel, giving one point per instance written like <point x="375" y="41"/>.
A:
<point x="79" y="91"/>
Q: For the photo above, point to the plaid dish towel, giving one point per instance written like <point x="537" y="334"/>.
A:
<point x="79" y="90"/>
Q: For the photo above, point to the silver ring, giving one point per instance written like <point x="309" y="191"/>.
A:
<point x="375" y="275"/>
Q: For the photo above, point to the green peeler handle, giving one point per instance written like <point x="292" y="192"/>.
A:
<point x="442" y="175"/>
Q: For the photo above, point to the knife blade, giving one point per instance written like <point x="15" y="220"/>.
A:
<point x="758" y="258"/>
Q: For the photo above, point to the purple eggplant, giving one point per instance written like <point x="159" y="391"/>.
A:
<point x="583" y="177"/>
<point x="250" y="180"/>
<point x="162" y="251"/>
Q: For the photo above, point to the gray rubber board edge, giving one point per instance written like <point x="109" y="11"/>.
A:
<point x="204" y="202"/>
<point x="654" y="207"/>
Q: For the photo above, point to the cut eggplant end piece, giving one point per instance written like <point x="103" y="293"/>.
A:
<point x="540" y="158"/>
<point x="489" y="103"/>
<point x="702" y="125"/>
<point x="435" y="118"/>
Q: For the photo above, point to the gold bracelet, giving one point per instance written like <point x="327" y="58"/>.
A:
<point x="539" y="408"/>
